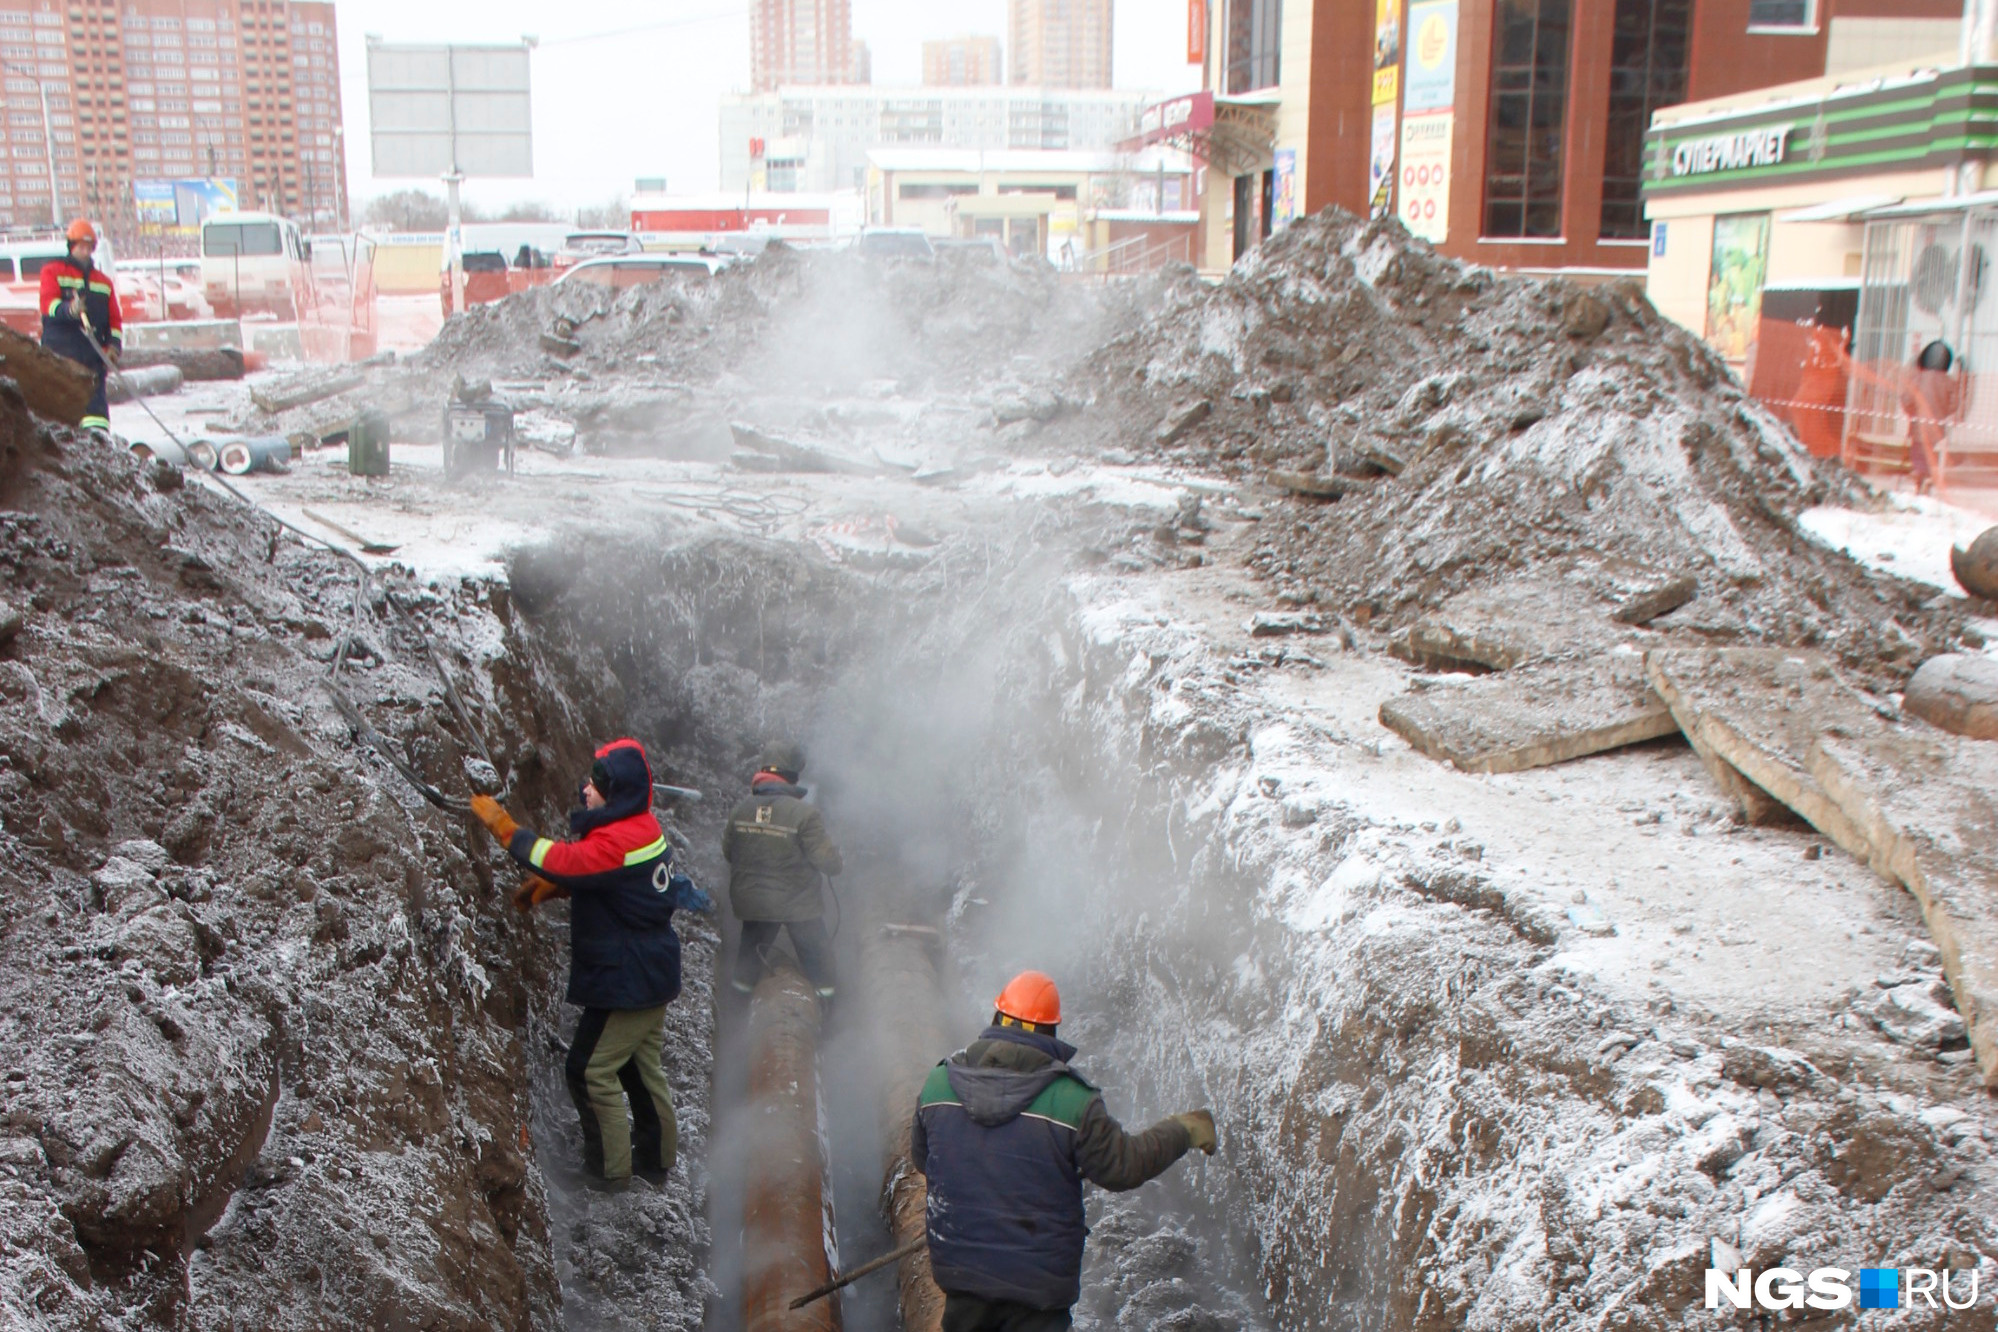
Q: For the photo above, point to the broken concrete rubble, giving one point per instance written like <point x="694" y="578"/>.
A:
<point x="1976" y="568"/>
<point x="1534" y="715"/>
<point x="1958" y="693"/>
<point x="1926" y="805"/>
<point x="1753" y="715"/>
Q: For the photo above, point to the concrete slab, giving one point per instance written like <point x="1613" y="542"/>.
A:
<point x="1753" y="714"/>
<point x="1501" y="628"/>
<point x="1534" y="715"/>
<point x="1925" y="801"/>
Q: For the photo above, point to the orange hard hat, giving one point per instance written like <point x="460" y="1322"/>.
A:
<point x="1032" y="997"/>
<point x="81" y="230"/>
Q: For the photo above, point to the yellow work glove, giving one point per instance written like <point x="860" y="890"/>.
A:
<point x="534" y="890"/>
<point x="496" y="819"/>
<point x="1199" y="1126"/>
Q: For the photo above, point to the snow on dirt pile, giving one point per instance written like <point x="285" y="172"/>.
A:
<point x="1473" y="427"/>
<point x="788" y="320"/>
<point x="261" y="1009"/>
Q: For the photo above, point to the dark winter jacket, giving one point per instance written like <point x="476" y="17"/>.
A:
<point x="623" y="952"/>
<point x="777" y="847"/>
<point x="61" y="331"/>
<point x="1006" y="1132"/>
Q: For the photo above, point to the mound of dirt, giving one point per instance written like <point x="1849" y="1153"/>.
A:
<point x="1473" y="427"/>
<point x="792" y="319"/>
<point x="264" y="1013"/>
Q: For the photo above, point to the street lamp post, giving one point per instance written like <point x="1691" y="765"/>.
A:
<point x="48" y="139"/>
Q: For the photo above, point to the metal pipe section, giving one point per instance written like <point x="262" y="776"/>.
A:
<point x="787" y="1237"/>
<point x="905" y="1003"/>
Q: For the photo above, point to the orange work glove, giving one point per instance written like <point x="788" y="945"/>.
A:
<point x="534" y="890"/>
<point x="496" y="819"/>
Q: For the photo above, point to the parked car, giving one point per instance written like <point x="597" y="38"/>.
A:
<point x="579" y="246"/>
<point x="895" y="243"/>
<point x="622" y="272"/>
<point x="976" y="249"/>
<point x="485" y="280"/>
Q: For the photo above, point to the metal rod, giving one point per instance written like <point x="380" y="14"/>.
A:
<point x="865" y="1269"/>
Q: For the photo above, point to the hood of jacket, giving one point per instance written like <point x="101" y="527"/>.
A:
<point x="770" y="784"/>
<point x="998" y="1075"/>
<point x="622" y="766"/>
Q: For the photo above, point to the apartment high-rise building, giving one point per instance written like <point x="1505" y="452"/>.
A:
<point x="1059" y="43"/>
<point x="804" y="41"/>
<point x="961" y="62"/>
<point x="163" y="90"/>
<point x="816" y="140"/>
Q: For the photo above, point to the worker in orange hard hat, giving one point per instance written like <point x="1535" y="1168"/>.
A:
<point x="80" y="316"/>
<point x="1006" y="1132"/>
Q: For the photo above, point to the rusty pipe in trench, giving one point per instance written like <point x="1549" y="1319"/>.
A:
<point x="787" y="1230"/>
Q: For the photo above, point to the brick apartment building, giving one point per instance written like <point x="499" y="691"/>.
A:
<point x="157" y="90"/>
<point x="1516" y="126"/>
<point x="804" y="42"/>
<point x="962" y="62"/>
<point x="1059" y="43"/>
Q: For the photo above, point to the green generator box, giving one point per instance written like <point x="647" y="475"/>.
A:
<point x="368" y="444"/>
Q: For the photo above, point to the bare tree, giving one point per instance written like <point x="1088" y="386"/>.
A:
<point x="530" y="210"/>
<point x="417" y="210"/>
<point x="613" y="214"/>
<point x="405" y="210"/>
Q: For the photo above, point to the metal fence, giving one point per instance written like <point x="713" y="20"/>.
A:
<point x="1850" y="378"/>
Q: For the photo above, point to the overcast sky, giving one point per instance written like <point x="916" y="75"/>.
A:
<point x="629" y="88"/>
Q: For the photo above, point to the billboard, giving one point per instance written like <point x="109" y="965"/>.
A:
<point x="1429" y="99"/>
<point x="444" y="110"/>
<point x="1386" y="98"/>
<point x="179" y="207"/>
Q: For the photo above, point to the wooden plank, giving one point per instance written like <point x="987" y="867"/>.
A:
<point x="1535" y="715"/>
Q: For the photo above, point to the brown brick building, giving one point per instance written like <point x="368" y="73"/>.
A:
<point x="1529" y="133"/>
<point x="145" y="90"/>
<point x="962" y="62"/>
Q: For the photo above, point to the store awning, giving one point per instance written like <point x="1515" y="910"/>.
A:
<point x="1235" y="135"/>
<point x="1926" y="207"/>
<point x="1848" y="209"/>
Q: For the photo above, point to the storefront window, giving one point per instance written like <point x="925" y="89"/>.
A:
<point x="1647" y="71"/>
<point x="1255" y="29"/>
<point x="1523" y="157"/>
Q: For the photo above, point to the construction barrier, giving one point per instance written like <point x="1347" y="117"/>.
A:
<point x="1883" y="418"/>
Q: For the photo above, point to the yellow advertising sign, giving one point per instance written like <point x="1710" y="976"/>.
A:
<point x="1387" y="51"/>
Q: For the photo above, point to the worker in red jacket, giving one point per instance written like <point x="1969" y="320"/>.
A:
<point x="624" y="956"/>
<point x="81" y="318"/>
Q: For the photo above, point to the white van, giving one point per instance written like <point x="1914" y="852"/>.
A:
<point x="255" y="263"/>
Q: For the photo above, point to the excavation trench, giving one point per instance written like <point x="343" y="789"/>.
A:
<point x="791" y="1169"/>
<point x="1422" y="1114"/>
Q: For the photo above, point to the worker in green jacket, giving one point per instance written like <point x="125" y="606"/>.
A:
<point x="777" y="847"/>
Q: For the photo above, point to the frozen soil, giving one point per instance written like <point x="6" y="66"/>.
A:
<point x="1505" y="1052"/>
<point x="278" y="1054"/>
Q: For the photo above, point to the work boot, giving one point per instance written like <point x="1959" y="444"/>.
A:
<point x="598" y="1184"/>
